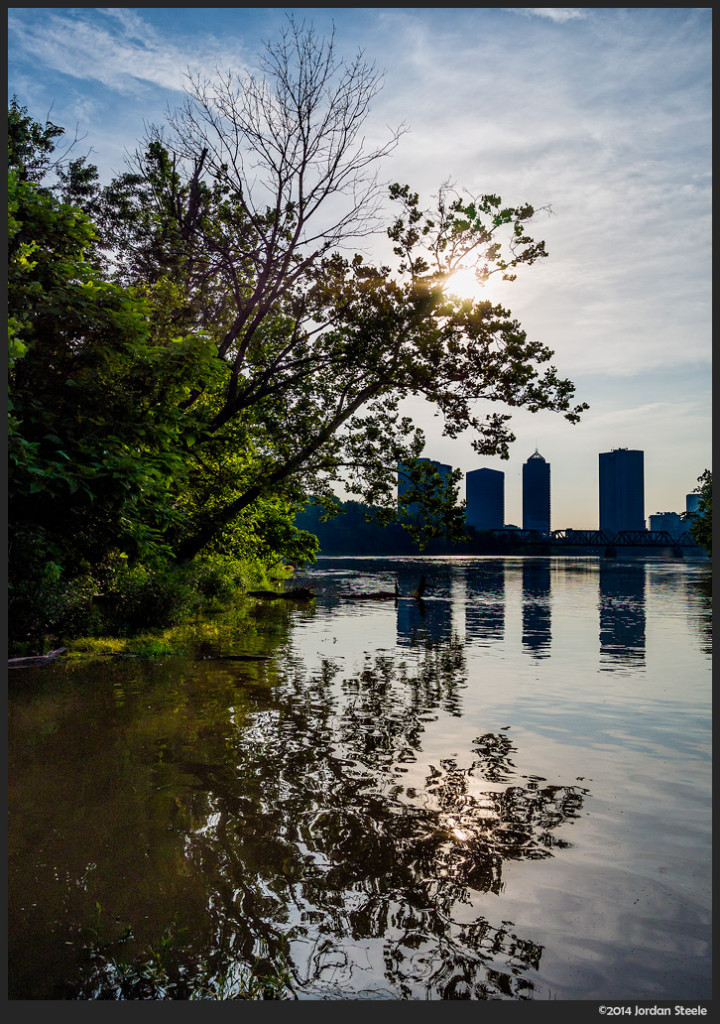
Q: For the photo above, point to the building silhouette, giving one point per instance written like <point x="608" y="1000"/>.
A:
<point x="692" y="502"/>
<point x="485" y="498"/>
<point x="622" y="491"/>
<point x="536" y="494"/>
<point x="405" y="483"/>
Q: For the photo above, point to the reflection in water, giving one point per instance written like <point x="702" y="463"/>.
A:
<point x="335" y="865"/>
<point x="485" y="604"/>
<point x="700" y="608"/>
<point x="424" y="621"/>
<point x="536" y="635"/>
<point x="283" y="832"/>
<point x="362" y="813"/>
<point x="622" y="615"/>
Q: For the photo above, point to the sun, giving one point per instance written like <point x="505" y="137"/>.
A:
<point x="464" y="284"/>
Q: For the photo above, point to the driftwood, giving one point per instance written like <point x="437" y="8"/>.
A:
<point x="34" y="661"/>
<point x="296" y="594"/>
<point x="236" y="657"/>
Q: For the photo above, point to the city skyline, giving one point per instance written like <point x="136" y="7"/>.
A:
<point x="484" y="493"/>
<point x="598" y="117"/>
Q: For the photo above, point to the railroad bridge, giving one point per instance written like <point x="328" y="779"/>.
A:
<point x="599" y="539"/>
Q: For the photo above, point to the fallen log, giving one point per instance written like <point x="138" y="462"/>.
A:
<point x="296" y="594"/>
<point x="236" y="657"/>
<point x="36" y="660"/>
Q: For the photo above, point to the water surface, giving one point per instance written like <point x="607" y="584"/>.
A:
<point x="501" y="791"/>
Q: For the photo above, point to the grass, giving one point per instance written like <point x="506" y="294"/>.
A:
<point x="145" y="645"/>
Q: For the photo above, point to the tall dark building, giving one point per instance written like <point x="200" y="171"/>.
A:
<point x="444" y="471"/>
<point x="622" y="490"/>
<point x="485" y="497"/>
<point x="536" y="494"/>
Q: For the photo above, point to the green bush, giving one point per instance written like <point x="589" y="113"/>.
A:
<point x="122" y="599"/>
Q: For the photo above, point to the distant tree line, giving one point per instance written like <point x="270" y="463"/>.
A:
<point x="358" y="529"/>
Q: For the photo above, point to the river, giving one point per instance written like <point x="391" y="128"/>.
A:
<point x="501" y="791"/>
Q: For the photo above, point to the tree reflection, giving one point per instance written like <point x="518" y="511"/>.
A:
<point x="330" y="862"/>
<point x="424" y="621"/>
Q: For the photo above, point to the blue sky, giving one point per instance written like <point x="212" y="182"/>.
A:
<point x="601" y="114"/>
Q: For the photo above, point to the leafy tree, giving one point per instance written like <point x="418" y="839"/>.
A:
<point x="241" y="205"/>
<point x="101" y="427"/>
<point x="267" y="364"/>
<point x="701" y="521"/>
<point x="96" y="451"/>
<point x="31" y="146"/>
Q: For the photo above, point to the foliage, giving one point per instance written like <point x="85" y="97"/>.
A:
<point x="316" y="374"/>
<point x="95" y="448"/>
<point x="701" y="521"/>
<point x="320" y="349"/>
<point x="31" y="146"/>
<point x="191" y="353"/>
<point x="102" y="444"/>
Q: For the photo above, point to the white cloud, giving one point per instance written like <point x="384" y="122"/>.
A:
<point x="556" y="14"/>
<point x="128" y="61"/>
<point x="135" y="27"/>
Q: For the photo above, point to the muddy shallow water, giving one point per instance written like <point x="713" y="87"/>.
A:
<point x="502" y="791"/>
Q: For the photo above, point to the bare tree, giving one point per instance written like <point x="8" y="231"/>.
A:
<point x="289" y="151"/>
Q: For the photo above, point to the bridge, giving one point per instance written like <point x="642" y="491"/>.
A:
<point x="599" y="539"/>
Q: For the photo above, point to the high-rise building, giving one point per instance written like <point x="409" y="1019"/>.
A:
<point x="622" y="490"/>
<point x="404" y="483"/>
<point x="536" y="494"/>
<point x="485" y="497"/>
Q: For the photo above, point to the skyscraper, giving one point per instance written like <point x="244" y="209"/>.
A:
<point x="622" y="491"/>
<point x="404" y="483"/>
<point x="485" y="496"/>
<point x="536" y="494"/>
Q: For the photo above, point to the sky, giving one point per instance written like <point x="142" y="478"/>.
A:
<point x="598" y="117"/>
